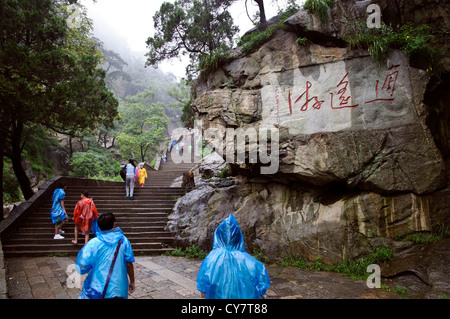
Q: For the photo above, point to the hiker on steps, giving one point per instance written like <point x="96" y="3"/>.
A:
<point x="129" y="180"/>
<point x="84" y="214"/>
<point x="108" y="259"/>
<point x="142" y="175"/>
<point x="58" y="212"/>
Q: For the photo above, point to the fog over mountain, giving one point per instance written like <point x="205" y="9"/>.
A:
<point x="124" y="26"/>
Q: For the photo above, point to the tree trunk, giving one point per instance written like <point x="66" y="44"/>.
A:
<point x="262" y="11"/>
<point x="16" y="152"/>
<point x="105" y="140"/>
<point x="70" y="147"/>
<point x="142" y="153"/>
<point x="112" y="143"/>
<point x="22" y="178"/>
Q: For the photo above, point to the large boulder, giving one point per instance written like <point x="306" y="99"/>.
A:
<point x="284" y="220"/>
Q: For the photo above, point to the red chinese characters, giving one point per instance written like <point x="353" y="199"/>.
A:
<point x="386" y="92"/>
<point x="317" y="104"/>
<point x="344" y="100"/>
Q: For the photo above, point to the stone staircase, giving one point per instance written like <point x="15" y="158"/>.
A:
<point x="143" y="219"/>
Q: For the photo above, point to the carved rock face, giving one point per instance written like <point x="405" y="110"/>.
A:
<point x="338" y="116"/>
<point x="357" y="164"/>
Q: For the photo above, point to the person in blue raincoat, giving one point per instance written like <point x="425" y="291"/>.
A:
<point x="96" y="258"/>
<point x="58" y="213"/>
<point x="229" y="272"/>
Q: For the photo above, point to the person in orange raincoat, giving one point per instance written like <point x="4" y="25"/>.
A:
<point x="84" y="214"/>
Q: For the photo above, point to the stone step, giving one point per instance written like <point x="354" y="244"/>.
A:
<point x="57" y="244"/>
<point x="25" y="243"/>
<point x="138" y="200"/>
<point x="125" y="228"/>
<point x="69" y="232"/>
<point x="129" y="204"/>
<point x="124" y="224"/>
<point x="118" y="185"/>
<point x="42" y="221"/>
<point x="129" y="210"/>
<point x="45" y="214"/>
<point x="71" y="250"/>
<point x="143" y="220"/>
<point x="116" y="189"/>
<point x="120" y="195"/>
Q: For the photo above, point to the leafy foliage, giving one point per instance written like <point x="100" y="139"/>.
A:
<point x="191" y="27"/>
<point x="380" y="41"/>
<point x="210" y="62"/>
<point x="439" y="232"/>
<point x="143" y="126"/>
<point x="39" y="144"/>
<point x="49" y="76"/>
<point x="257" y="38"/>
<point x="189" y="252"/>
<point x="97" y="163"/>
<point x="114" y="66"/>
<point x="355" y="269"/>
<point x="319" y="8"/>
<point x="49" y="72"/>
<point x="10" y="185"/>
<point x="301" y="41"/>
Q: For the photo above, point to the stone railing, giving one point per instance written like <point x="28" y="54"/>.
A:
<point x="157" y="164"/>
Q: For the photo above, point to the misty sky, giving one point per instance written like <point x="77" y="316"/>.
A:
<point x="132" y="21"/>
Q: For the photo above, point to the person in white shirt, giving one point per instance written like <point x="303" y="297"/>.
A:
<point x="129" y="180"/>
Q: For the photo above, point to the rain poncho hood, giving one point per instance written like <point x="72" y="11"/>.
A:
<point x="229" y="272"/>
<point x="57" y="212"/>
<point x="96" y="257"/>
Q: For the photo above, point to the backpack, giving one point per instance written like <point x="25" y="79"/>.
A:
<point x="123" y="173"/>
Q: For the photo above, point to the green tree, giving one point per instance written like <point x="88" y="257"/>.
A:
<point x="49" y="75"/>
<point x="113" y="65"/>
<point x="12" y="192"/>
<point x="143" y="126"/>
<point x="94" y="163"/>
<point x="196" y="28"/>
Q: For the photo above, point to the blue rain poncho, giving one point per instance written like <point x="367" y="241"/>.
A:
<point x="57" y="212"/>
<point x="229" y="272"/>
<point x="96" y="257"/>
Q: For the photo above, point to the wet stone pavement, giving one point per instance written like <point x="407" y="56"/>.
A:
<point x="165" y="277"/>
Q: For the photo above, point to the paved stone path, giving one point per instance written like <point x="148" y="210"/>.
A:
<point x="164" y="277"/>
